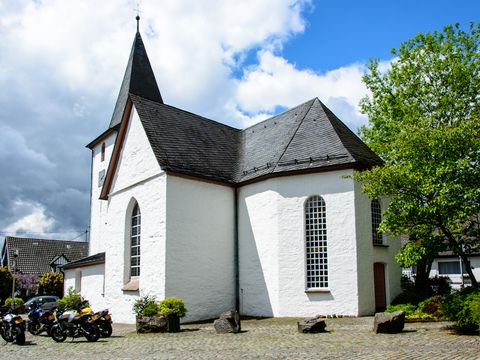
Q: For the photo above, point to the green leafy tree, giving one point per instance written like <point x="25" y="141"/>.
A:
<point x="5" y="284"/>
<point x="51" y="283"/>
<point x="424" y="121"/>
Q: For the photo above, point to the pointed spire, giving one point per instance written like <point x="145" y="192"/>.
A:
<point x="138" y="79"/>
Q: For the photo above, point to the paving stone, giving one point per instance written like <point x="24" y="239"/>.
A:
<point x="347" y="338"/>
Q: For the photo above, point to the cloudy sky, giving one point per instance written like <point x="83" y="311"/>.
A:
<point x="62" y="62"/>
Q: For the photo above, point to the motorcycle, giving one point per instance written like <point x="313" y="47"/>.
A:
<point x="40" y="320"/>
<point x="12" y="328"/>
<point x="104" y="322"/>
<point x="75" y="323"/>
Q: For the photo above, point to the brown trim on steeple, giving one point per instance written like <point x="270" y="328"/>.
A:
<point x="112" y="166"/>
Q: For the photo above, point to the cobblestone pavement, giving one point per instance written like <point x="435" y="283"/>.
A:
<point x="347" y="338"/>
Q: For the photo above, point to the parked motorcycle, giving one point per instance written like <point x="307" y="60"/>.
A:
<point x="75" y="323"/>
<point x="104" y="322"/>
<point x="12" y="328"/>
<point x="40" y="320"/>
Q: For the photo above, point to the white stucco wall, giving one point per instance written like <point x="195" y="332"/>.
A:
<point x="92" y="284"/>
<point x="368" y="254"/>
<point x="138" y="179"/>
<point x="98" y="208"/>
<point x="272" y="246"/>
<point x="456" y="279"/>
<point x="200" y="233"/>
<point x="68" y="280"/>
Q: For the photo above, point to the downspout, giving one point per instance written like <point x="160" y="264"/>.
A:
<point x="235" y="253"/>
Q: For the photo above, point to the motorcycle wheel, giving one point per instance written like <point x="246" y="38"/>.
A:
<point x="106" y="330"/>
<point x="5" y="336"/>
<point x="91" y="332"/>
<point x="34" y="329"/>
<point x="57" y="334"/>
<point x="20" y="337"/>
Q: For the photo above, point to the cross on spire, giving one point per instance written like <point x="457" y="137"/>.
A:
<point x="138" y="15"/>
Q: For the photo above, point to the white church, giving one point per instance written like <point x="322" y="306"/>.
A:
<point x="266" y="220"/>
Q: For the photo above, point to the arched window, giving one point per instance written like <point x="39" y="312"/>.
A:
<point x="377" y="238"/>
<point x="135" y="242"/>
<point x="316" y="243"/>
<point x="102" y="157"/>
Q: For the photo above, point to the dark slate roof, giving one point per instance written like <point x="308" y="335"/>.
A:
<point x="35" y="255"/>
<point x="187" y="143"/>
<point x="138" y="79"/>
<point x="86" y="261"/>
<point x="306" y="137"/>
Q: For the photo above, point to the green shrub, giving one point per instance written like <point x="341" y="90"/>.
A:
<point x="72" y="300"/>
<point x="142" y="302"/>
<point x="51" y="283"/>
<point x="440" y="285"/>
<point x="5" y="283"/>
<point x="150" y="310"/>
<point x="432" y="306"/>
<point x="171" y="306"/>
<point x="409" y="309"/>
<point x="18" y="302"/>
<point x="463" y="307"/>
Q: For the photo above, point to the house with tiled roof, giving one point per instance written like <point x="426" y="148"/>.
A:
<point x="38" y="256"/>
<point x="266" y="220"/>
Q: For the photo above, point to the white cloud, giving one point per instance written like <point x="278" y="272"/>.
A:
<point x="276" y="82"/>
<point x="35" y="221"/>
<point x="62" y="62"/>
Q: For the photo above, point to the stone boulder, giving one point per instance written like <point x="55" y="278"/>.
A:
<point x="229" y="322"/>
<point x="389" y="323"/>
<point x="312" y="325"/>
<point x="151" y="324"/>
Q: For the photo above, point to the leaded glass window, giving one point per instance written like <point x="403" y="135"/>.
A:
<point x="377" y="237"/>
<point x="316" y="243"/>
<point x="135" y="242"/>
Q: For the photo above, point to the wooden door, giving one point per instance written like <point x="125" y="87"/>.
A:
<point x="379" y="281"/>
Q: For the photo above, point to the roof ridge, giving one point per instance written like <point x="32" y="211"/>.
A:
<point x="336" y="122"/>
<point x="186" y="111"/>
<point x="293" y="136"/>
<point x="279" y="114"/>
<point x="36" y="239"/>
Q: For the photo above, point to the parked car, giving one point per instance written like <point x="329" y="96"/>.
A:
<point x="46" y="302"/>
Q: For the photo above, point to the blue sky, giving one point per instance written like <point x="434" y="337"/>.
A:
<point x="344" y="32"/>
<point x="62" y="63"/>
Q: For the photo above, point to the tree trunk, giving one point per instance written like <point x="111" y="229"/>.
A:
<point x="459" y="250"/>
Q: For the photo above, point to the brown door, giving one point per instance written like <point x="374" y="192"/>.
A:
<point x="379" y="281"/>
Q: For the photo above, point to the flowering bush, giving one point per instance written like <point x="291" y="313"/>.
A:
<point x="27" y="283"/>
<point x="5" y="283"/>
<point x="51" y="283"/>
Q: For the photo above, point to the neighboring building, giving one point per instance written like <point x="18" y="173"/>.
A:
<point x="448" y="264"/>
<point x="38" y="256"/>
<point x="266" y="219"/>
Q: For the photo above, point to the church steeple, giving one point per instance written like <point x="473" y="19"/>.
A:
<point x="138" y="79"/>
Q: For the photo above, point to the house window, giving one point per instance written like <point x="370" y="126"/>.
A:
<point x="102" y="157"/>
<point x="316" y="243"/>
<point x="135" y="242"/>
<point x="449" y="267"/>
<point x="377" y="237"/>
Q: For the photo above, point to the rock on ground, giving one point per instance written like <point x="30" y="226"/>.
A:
<point x="312" y="325"/>
<point x="151" y="324"/>
<point x="389" y="323"/>
<point x="229" y="322"/>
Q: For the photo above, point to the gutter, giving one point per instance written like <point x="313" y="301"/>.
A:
<point x="235" y="253"/>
